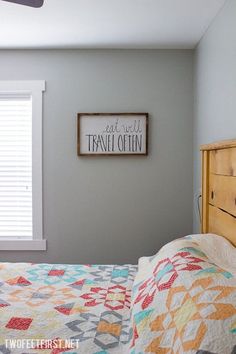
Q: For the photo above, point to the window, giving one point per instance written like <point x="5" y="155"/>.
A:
<point x="21" y="165"/>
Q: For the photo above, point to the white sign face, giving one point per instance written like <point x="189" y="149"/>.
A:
<point x="112" y="134"/>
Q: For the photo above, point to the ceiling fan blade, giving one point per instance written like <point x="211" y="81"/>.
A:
<point x="32" y="3"/>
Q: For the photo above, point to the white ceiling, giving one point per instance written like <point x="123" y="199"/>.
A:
<point x="107" y="23"/>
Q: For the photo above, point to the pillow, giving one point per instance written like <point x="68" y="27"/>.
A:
<point x="218" y="249"/>
<point x="165" y="314"/>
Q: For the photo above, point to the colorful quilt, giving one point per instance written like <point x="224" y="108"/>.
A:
<point x="52" y="309"/>
<point x="180" y="301"/>
<point x="183" y="301"/>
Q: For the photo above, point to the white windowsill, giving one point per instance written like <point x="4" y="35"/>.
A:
<point x="23" y="245"/>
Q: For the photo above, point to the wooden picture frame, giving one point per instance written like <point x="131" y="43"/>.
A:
<point x="112" y="134"/>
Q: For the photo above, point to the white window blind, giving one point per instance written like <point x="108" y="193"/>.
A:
<point x="16" y="166"/>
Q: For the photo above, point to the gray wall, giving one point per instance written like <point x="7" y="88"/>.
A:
<point x="215" y="87"/>
<point x="111" y="210"/>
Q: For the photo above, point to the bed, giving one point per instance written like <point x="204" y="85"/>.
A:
<point x="181" y="300"/>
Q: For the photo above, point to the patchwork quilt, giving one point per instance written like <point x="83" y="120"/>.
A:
<point x="184" y="301"/>
<point x="180" y="301"/>
<point x="51" y="309"/>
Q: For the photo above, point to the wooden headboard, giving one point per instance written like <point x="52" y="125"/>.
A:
<point x="219" y="189"/>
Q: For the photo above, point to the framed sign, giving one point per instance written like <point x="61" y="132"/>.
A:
<point x="112" y="134"/>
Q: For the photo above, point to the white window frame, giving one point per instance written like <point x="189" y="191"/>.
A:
<point x="37" y="242"/>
